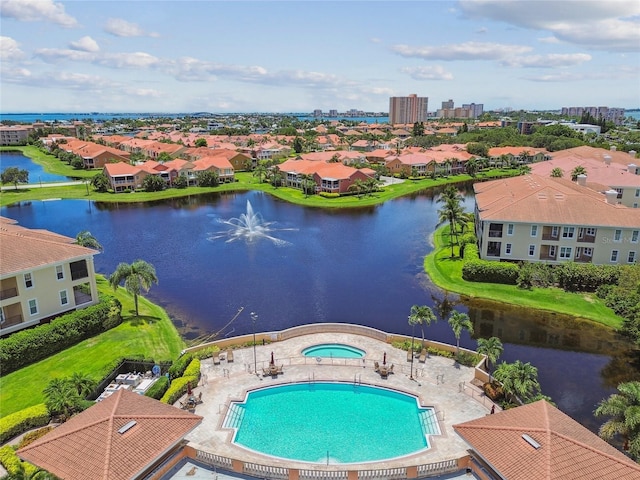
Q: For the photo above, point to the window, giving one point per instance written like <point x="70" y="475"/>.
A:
<point x="591" y="231"/>
<point x="554" y="232"/>
<point x="2" y="319"/>
<point x="63" y="297"/>
<point x="632" y="257"/>
<point x="28" y="280"/>
<point x="79" y="269"/>
<point x="532" y="250"/>
<point x="510" y="229"/>
<point x="634" y="236"/>
<point x="507" y="249"/>
<point x="568" y="232"/>
<point x="552" y="251"/>
<point x="565" y="252"/>
<point x="617" y="235"/>
<point x="59" y="272"/>
<point x="33" y="306"/>
<point x="619" y="190"/>
<point x="587" y="251"/>
<point x="614" y="255"/>
<point x="534" y="230"/>
<point x="637" y="192"/>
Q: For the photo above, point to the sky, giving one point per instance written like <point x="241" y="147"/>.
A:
<point x="297" y="56"/>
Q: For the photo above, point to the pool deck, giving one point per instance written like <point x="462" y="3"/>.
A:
<point x="438" y="382"/>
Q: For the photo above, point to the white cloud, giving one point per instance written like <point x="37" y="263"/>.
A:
<point x="128" y="60"/>
<point x="37" y="11"/>
<point x="547" y="61"/>
<point x="610" y="25"/>
<point x="435" y="72"/>
<point x="123" y="28"/>
<point x="462" y="51"/>
<point x="10" y="49"/>
<point x="548" y="40"/>
<point x="54" y="55"/>
<point x="85" y="44"/>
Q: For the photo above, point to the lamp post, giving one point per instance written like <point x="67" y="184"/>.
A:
<point x="413" y="328"/>
<point x="254" y="319"/>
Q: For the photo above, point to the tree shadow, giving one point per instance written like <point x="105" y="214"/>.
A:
<point x="139" y="320"/>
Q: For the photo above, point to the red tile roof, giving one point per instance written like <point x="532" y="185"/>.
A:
<point x="567" y="450"/>
<point x="90" y="444"/>
<point x="24" y="249"/>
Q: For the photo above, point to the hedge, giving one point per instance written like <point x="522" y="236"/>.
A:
<point x="180" y="365"/>
<point x="490" y="272"/>
<point x="23" y="420"/>
<point x="158" y="389"/>
<point x="193" y="370"/>
<point x="11" y="463"/>
<point x="177" y="389"/>
<point x="32" y="345"/>
<point x="580" y="277"/>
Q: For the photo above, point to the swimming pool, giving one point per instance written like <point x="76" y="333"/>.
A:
<point x="331" y="423"/>
<point x="337" y="350"/>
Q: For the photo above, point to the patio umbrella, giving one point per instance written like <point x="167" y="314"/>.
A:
<point x="384" y="358"/>
<point x="272" y="361"/>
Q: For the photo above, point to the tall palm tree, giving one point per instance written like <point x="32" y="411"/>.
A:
<point x="458" y="322"/>
<point x="518" y="379"/>
<point x="421" y="315"/>
<point x="61" y="398"/>
<point x="358" y="186"/>
<point x="472" y="166"/>
<point x="492" y="348"/>
<point x="452" y="212"/>
<point x="85" y="239"/>
<point x="136" y="277"/>
<point x="624" y="409"/>
<point x="557" y="172"/>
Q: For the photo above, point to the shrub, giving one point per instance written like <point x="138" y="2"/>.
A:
<point x="23" y="420"/>
<point x="468" y="359"/>
<point x="206" y="352"/>
<point x="193" y="370"/>
<point x="159" y="388"/>
<point x="493" y="390"/>
<point x="9" y="459"/>
<point x="329" y="195"/>
<point x="178" y="388"/>
<point x="490" y="272"/>
<point x="179" y="366"/>
<point x="580" y="277"/>
<point x="34" y="435"/>
<point x="29" y="346"/>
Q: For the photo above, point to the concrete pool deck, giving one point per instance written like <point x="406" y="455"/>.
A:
<point x="438" y="382"/>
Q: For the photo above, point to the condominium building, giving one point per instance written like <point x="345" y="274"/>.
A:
<point x="615" y="115"/>
<point x="15" y="134"/>
<point x="554" y="220"/>
<point x="56" y="276"/>
<point x="407" y="110"/>
<point x="474" y="109"/>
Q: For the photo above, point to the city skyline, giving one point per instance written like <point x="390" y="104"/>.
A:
<point x="292" y="56"/>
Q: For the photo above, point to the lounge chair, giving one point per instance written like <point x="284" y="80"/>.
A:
<point x="423" y="356"/>
<point x="229" y="355"/>
<point x="376" y="366"/>
<point x="216" y="358"/>
<point x="280" y="368"/>
<point x="390" y="369"/>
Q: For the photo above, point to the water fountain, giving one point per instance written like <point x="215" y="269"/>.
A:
<point x="249" y="226"/>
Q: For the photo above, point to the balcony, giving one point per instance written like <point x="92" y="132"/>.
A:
<point x="79" y="269"/>
<point x="82" y="294"/>
<point x="548" y="256"/>
<point x="583" y="258"/>
<point x="11" y="321"/>
<point x="495" y="233"/>
<point x="8" y="293"/>
<point x="493" y="249"/>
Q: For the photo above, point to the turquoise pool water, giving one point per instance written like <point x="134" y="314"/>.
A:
<point x="331" y="422"/>
<point x="337" y="350"/>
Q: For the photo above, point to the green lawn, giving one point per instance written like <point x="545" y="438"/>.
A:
<point x="151" y="335"/>
<point x="446" y="272"/>
<point x="50" y="163"/>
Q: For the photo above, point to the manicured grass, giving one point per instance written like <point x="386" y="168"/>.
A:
<point x="446" y="272"/>
<point x="50" y="163"/>
<point x="151" y="335"/>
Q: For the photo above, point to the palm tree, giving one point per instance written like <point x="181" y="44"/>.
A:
<point x="557" y="172"/>
<point x="260" y="171"/>
<point x="518" y="379"/>
<point x="61" y="398"/>
<point x="83" y="383"/>
<point x="472" y="166"/>
<point x="492" y="348"/>
<point x="85" y="239"/>
<point x="624" y="409"/>
<point x="358" y="186"/>
<point x="421" y="315"/>
<point x="137" y="277"/>
<point x="579" y="170"/>
<point x="452" y="212"/>
<point x="458" y="322"/>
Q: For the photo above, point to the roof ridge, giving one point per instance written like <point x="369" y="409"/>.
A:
<point x="46" y="240"/>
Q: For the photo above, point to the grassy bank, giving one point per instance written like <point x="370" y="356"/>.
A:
<point x="446" y="272"/>
<point x="50" y="163"/>
<point x="150" y="335"/>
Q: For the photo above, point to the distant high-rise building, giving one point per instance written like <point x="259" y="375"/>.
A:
<point x="615" y="115"/>
<point x="333" y="113"/>
<point x="317" y="113"/>
<point x="409" y="109"/>
<point x="475" y="109"/>
<point x="448" y="104"/>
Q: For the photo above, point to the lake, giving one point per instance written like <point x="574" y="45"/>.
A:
<point x="304" y="265"/>
<point x="37" y="173"/>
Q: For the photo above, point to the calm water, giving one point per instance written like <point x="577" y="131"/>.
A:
<point x="333" y="420"/>
<point x="362" y="266"/>
<point x="36" y="172"/>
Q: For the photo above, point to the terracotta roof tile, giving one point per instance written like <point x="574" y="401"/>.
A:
<point x="90" y="445"/>
<point x="567" y="450"/>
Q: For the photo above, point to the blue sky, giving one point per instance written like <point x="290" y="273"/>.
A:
<point x="297" y="56"/>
